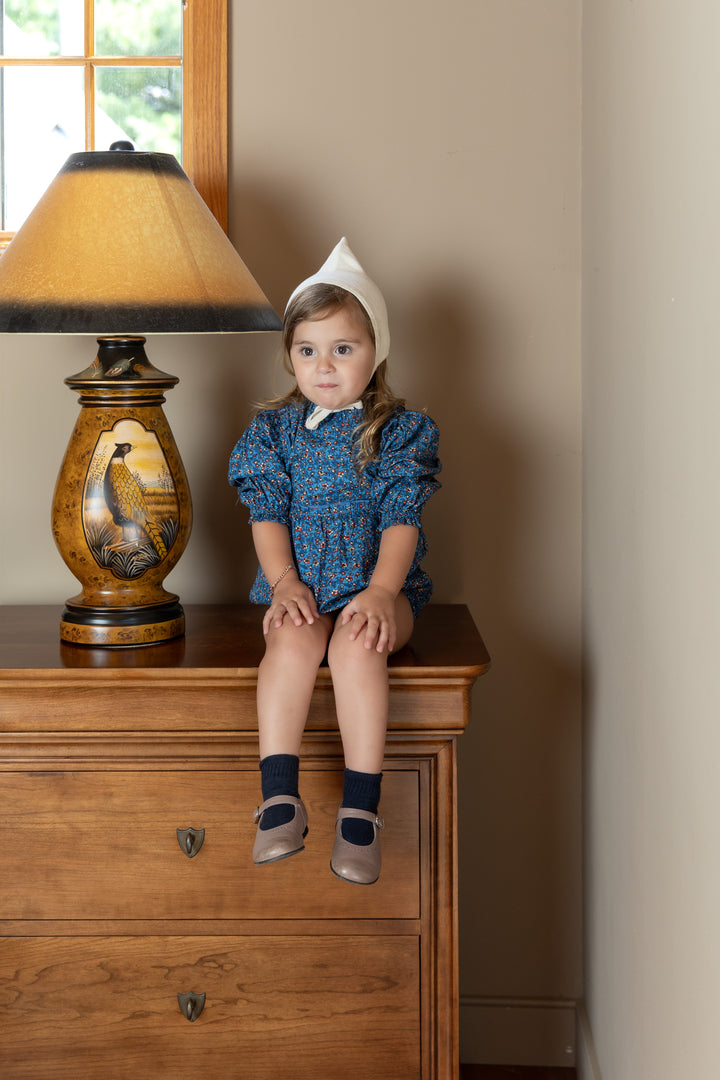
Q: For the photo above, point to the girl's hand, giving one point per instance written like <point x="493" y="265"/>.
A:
<point x="291" y="600"/>
<point x="372" y="611"/>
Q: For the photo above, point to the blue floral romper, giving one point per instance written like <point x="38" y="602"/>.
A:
<point x="308" y="481"/>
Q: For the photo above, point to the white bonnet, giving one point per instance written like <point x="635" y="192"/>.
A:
<point x="342" y="268"/>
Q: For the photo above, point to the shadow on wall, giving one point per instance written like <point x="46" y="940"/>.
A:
<point x="519" y="761"/>
<point x="220" y="526"/>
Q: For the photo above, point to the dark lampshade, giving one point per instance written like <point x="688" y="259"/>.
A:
<point x="121" y="245"/>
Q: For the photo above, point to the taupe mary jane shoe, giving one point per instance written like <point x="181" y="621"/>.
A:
<point x="359" y="863"/>
<point x="284" y="840"/>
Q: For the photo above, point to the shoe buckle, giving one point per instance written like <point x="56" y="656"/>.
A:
<point x="257" y="815"/>
<point x="379" y="823"/>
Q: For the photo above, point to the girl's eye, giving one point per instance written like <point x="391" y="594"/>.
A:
<point x="305" y="350"/>
<point x="343" y="350"/>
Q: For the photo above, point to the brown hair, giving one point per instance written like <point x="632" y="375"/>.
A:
<point x="379" y="402"/>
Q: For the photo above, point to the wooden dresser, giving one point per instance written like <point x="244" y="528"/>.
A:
<point x="137" y="938"/>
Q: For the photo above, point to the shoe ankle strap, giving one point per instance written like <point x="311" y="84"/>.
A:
<point x="275" y="800"/>
<point x="366" y="815"/>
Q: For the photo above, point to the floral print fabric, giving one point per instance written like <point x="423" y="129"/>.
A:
<point x="308" y="481"/>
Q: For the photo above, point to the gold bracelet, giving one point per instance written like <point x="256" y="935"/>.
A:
<point x="277" y="581"/>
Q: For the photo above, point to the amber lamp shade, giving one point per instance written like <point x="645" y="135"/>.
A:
<point x="122" y="245"/>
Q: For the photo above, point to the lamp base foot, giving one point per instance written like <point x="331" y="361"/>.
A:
<point x="122" y="627"/>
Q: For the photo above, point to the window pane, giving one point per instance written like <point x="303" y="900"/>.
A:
<point x="138" y="28"/>
<point x="43" y="118"/>
<point x="37" y="28"/>
<point x="145" y="103"/>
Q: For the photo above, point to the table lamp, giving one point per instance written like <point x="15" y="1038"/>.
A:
<point x="121" y="245"/>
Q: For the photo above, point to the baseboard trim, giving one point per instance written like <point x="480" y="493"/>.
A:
<point x="588" y="1066"/>
<point x="518" y="1031"/>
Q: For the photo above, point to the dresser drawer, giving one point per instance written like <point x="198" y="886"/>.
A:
<point x="276" y="1008"/>
<point x="104" y="845"/>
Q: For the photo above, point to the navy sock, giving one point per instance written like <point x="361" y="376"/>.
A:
<point x="279" y="775"/>
<point x="361" y="791"/>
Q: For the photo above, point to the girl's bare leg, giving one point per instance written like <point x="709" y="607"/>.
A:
<point x="360" y="682"/>
<point x="286" y="678"/>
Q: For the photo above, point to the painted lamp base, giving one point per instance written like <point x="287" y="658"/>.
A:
<point x="122" y="511"/>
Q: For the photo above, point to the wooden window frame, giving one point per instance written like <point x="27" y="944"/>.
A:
<point x="205" y="110"/>
<point x="205" y="102"/>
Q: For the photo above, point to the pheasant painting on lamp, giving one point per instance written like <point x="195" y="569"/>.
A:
<point x="135" y="510"/>
<point x="122" y="245"/>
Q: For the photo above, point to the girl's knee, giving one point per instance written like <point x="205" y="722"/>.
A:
<point x="303" y="643"/>
<point x="342" y="652"/>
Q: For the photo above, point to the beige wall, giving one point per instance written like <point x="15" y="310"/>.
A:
<point x="443" y="140"/>
<point x="652" y="536"/>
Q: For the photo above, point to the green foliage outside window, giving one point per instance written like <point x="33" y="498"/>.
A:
<point x="40" y="20"/>
<point x="132" y="27"/>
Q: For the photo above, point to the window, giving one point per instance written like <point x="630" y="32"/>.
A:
<point x="79" y="74"/>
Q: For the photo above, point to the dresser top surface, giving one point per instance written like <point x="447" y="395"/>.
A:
<point x="225" y="638"/>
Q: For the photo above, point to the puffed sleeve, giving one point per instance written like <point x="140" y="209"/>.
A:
<point x="258" y="468"/>
<point x="406" y="469"/>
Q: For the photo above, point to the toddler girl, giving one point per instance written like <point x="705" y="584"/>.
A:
<point x="335" y="475"/>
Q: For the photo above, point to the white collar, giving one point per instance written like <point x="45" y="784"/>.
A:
<point x="319" y="414"/>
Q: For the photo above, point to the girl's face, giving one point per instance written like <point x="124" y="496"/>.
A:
<point x="333" y="357"/>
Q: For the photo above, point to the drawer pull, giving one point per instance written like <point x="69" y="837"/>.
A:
<point x="190" y="840"/>
<point x="191" y="1005"/>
